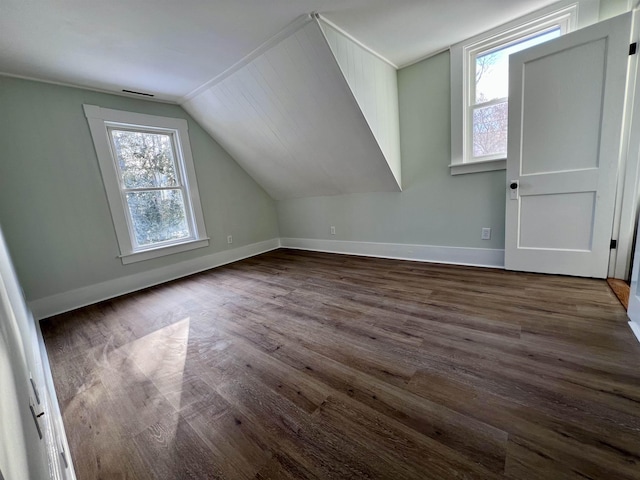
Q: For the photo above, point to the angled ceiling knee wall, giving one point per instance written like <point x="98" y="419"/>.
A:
<point x="374" y="84"/>
<point x="307" y="115"/>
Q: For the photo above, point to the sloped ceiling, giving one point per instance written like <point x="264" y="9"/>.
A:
<point x="292" y="122"/>
<point x="170" y="47"/>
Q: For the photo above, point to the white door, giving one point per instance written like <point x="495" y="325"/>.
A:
<point x="633" y="310"/>
<point x="566" y="100"/>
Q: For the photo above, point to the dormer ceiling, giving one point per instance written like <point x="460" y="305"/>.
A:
<point x="303" y="123"/>
<point x="169" y="48"/>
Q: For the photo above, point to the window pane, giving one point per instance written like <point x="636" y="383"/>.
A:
<point x="158" y="216"/>
<point x="490" y="130"/>
<point x="492" y="68"/>
<point x="145" y="159"/>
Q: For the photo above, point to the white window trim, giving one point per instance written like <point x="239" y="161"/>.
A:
<point x="574" y="15"/>
<point x="99" y="120"/>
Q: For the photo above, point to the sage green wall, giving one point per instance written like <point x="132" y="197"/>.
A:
<point x="434" y="208"/>
<point x="611" y="8"/>
<point x="53" y="208"/>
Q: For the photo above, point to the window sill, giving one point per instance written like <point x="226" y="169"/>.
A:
<point x="479" y="166"/>
<point x="162" y="251"/>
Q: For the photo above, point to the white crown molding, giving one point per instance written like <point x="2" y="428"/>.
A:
<point x="91" y="89"/>
<point x="477" y="257"/>
<point x="294" y="26"/>
<point x="80" y="297"/>
<point x="340" y="30"/>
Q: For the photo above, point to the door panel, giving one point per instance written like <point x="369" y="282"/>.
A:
<point x="555" y="89"/>
<point x="566" y="101"/>
<point x="566" y="225"/>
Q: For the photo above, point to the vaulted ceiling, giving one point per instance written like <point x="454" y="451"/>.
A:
<point x="171" y="47"/>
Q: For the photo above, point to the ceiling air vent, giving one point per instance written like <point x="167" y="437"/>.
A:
<point x="138" y="93"/>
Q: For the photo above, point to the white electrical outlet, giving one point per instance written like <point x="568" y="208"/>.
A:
<point x="229" y="239"/>
<point x="486" y="234"/>
<point x="333" y="230"/>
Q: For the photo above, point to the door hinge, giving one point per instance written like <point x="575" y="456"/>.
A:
<point x="613" y="245"/>
<point x="35" y="389"/>
<point x="633" y="48"/>
<point x="35" y="416"/>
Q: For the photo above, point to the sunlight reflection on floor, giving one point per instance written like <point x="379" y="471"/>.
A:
<point x="161" y="357"/>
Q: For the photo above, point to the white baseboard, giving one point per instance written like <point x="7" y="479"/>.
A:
<point x="80" y="297"/>
<point x="478" y="257"/>
<point x="635" y="328"/>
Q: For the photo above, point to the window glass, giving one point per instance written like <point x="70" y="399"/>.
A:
<point x="145" y="159"/>
<point x="150" y="181"/>
<point x="158" y="216"/>
<point x="490" y="129"/>
<point x="492" y="67"/>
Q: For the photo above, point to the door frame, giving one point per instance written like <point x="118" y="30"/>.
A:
<point x="628" y="188"/>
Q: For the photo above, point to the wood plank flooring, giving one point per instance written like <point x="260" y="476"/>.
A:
<point x="299" y="365"/>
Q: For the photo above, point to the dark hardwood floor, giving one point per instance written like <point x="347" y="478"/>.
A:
<point x="295" y="365"/>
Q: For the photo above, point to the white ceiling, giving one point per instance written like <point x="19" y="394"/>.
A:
<point x="171" y="47"/>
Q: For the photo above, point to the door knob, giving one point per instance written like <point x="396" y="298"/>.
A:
<point x="513" y="193"/>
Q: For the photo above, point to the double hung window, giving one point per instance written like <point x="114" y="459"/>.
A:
<point x="150" y="182"/>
